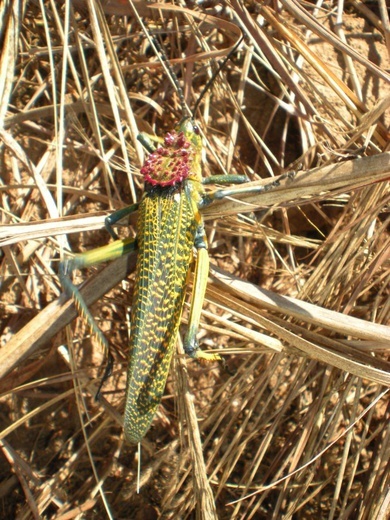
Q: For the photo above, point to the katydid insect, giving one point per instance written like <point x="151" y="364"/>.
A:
<point x="170" y="233"/>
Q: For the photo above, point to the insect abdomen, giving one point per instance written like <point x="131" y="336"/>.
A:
<point x="166" y="237"/>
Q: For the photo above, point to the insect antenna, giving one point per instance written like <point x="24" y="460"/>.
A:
<point x="215" y="75"/>
<point x="160" y="53"/>
<point x="162" y="56"/>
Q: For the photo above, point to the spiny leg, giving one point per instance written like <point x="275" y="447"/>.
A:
<point x="109" y="252"/>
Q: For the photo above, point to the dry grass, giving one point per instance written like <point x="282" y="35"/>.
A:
<point x="298" y="300"/>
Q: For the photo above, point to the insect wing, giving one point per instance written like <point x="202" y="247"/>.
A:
<point x="166" y="237"/>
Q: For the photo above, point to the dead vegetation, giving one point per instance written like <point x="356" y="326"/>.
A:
<point x="298" y="300"/>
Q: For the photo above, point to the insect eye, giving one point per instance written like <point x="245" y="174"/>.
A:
<point x="196" y="130"/>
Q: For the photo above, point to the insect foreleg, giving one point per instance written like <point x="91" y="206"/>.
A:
<point x="148" y="141"/>
<point x="209" y="198"/>
<point x="118" y="215"/>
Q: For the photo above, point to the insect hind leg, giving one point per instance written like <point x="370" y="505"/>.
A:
<point x="73" y="292"/>
<point x="109" y="252"/>
<point x="191" y="346"/>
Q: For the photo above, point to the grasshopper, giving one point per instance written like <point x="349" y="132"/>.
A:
<point x="170" y="234"/>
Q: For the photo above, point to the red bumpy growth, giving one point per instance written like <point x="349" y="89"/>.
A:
<point x="170" y="163"/>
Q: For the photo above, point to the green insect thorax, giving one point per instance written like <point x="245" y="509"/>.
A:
<point x="177" y="159"/>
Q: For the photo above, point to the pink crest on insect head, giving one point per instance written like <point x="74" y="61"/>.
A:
<point x="170" y="163"/>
